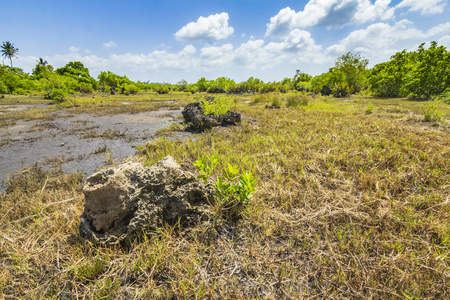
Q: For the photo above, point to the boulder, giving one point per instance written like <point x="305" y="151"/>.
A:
<point x="325" y="91"/>
<point x="194" y="114"/>
<point x="124" y="201"/>
<point x="113" y="90"/>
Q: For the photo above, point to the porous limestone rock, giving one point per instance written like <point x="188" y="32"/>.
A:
<point x="194" y="114"/>
<point x="124" y="201"/>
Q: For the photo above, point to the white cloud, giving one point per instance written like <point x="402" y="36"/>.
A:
<point x="212" y="28"/>
<point x="216" y="56"/>
<point x="329" y="13"/>
<point x="439" y="29"/>
<point x="379" y="41"/>
<point x="110" y="44"/>
<point x="444" y="41"/>
<point x="74" y="49"/>
<point x="424" y="6"/>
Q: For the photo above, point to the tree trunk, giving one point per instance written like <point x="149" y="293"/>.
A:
<point x="10" y="58"/>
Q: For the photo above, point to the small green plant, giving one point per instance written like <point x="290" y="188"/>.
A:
<point x="109" y="158"/>
<point x="369" y="108"/>
<point x="431" y="113"/>
<point x="275" y="101"/>
<point x="90" y="270"/>
<point x="218" y="106"/>
<point x="258" y="99"/>
<point x="233" y="191"/>
<point x="206" y="168"/>
<point x="294" y="101"/>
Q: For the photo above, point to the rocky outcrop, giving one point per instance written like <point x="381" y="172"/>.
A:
<point x="194" y="115"/>
<point x="325" y="91"/>
<point x="127" y="200"/>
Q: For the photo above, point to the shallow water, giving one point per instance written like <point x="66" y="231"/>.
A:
<point x="78" y="140"/>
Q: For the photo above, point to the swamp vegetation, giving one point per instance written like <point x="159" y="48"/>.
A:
<point x="350" y="194"/>
<point x="352" y="202"/>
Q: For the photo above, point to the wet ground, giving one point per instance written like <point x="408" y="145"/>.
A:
<point x="80" y="142"/>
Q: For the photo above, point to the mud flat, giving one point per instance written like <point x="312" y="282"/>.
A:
<point x="80" y="142"/>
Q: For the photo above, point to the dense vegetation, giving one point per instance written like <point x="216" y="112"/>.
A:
<point x="422" y="73"/>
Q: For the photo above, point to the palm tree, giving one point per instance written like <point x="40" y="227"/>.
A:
<point x="9" y="51"/>
<point x="42" y="62"/>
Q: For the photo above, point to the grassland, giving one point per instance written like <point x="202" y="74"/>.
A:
<point x="352" y="202"/>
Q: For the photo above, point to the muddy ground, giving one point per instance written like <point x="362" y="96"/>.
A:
<point x="79" y="142"/>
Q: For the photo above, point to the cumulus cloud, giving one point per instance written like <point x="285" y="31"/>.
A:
<point x="444" y="41"/>
<point x="424" y="6"/>
<point x="298" y="48"/>
<point x="379" y="41"/>
<point x="212" y="28"/>
<point x="74" y="49"/>
<point x="329" y="13"/>
<point x="110" y="44"/>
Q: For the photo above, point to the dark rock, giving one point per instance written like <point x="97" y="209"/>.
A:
<point x="193" y="114"/>
<point x="325" y="91"/>
<point x="113" y="90"/>
<point x="127" y="200"/>
<point x="272" y="106"/>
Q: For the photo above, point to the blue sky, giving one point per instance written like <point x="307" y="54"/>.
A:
<point x="170" y="40"/>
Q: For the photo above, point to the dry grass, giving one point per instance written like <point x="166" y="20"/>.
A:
<point x="349" y="205"/>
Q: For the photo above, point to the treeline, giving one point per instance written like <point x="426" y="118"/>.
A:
<point x="420" y="73"/>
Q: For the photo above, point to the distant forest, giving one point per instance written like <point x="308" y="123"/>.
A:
<point x="423" y="73"/>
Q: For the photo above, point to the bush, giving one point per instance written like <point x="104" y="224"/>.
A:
<point x="19" y="91"/>
<point x="275" y="100"/>
<point x="294" y="101"/>
<point x="233" y="191"/>
<point x="445" y="96"/>
<point x="162" y="89"/>
<point x="3" y="88"/>
<point x="57" y="95"/>
<point x="218" y="106"/>
<point x="369" y="108"/>
<point x="130" y="89"/>
<point x="259" y="99"/>
<point x="431" y="113"/>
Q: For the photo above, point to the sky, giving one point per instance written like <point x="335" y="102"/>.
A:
<point x="171" y="40"/>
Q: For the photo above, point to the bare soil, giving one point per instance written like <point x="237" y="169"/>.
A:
<point x="79" y="142"/>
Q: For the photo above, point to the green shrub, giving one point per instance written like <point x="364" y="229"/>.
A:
<point x="3" y="88"/>
<point x="294" y="101"/>
<point x="445" y="96"/>
<point x="431" y="113"/>
<point x="218" y="106"/>
<point x="57" y="95"/>
<point x="19" y="91"/>
<point x="259" y="98"/>
<point x="130" y="89"/>
<point x="369" y="108"/>
<point x="233" y="191"/>
<point x="275" y="100"/>
<point x="162" y="89"/>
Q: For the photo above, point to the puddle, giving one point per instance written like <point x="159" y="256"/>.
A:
<point x="81" y="141"/>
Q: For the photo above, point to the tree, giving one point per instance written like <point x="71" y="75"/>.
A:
<point x="9" y="51"/>
<point x="42" y="69"/>
<point x="355" y="70"/>
<point x="42" y="62"/>
<point x="420" y="73"/>
<point x="430" y="74"/>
